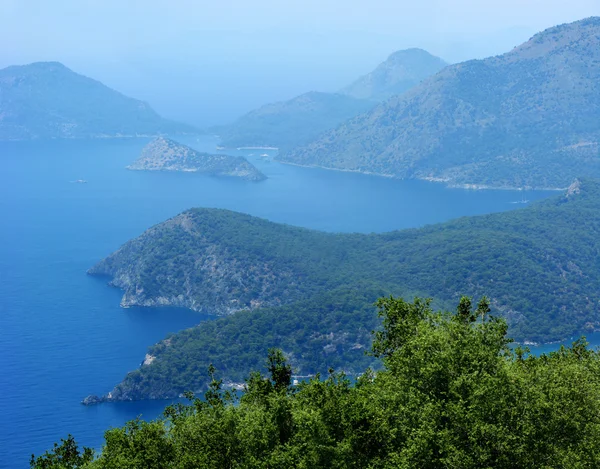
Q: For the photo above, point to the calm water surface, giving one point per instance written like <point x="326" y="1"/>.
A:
<point x="63" y="335"/>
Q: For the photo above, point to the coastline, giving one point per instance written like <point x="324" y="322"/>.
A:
<point x="449" y="184"/>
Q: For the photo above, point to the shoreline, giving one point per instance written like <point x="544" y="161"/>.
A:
<point x="449" y="184"/>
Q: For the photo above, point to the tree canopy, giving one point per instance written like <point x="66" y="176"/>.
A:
<point x="453" y="393"/>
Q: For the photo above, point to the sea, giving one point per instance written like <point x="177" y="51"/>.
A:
<point x="66" y="204"/>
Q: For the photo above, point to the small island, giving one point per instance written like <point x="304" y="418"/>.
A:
<point x="163" y="154"/>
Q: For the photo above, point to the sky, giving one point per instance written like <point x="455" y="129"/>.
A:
<point x="208" y="62"/>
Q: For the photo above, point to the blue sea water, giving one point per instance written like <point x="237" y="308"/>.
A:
<point x="63" y="334"/>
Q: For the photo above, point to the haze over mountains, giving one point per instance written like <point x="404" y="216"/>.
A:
<point x="527" y="118"/>
<point x="294" y="122"/>
<point x="290" y="123"/>
<point x="48" y="100"/>
<point x="400" y="72"/>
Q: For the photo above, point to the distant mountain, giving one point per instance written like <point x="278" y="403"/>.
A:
<point x="311" y="293"/>
<point x="163" y="154"/>
<point x="526" y="118"/>
<point x="400" y="72"/>
<point x="290" y="123"/>
<point x="295" y="122"/>
<point x="48" y="100"/>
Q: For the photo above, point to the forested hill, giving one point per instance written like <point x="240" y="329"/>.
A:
<point x="539" y="265"/>
<point x="311" y="293"/>
<point x="525" y="118"/>
<point x="48" y="100"/>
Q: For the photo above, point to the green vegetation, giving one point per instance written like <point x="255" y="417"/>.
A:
<point x="525" y="118"/>
<point x="451" y="394"/>
<point x="47" y="100"/>
<point x="400" y="72"/>
<point x="309" y="293"/>
<point x="290" y="123"/>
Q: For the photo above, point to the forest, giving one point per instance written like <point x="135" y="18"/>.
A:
<point x="453" y="392"/>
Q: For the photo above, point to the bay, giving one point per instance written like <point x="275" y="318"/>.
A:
<point x="63" y="334"/>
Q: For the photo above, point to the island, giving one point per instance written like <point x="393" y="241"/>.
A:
<point x="163" y="154"/>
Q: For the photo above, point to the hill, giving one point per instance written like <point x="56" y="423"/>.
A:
<point x="290" y="123"/>
<point x="401" y="71"/>
<point x="163" y="154"/>
<point x="48" y="100"/>
<point x="311" y="293"/>
<point x="523" y="119"/>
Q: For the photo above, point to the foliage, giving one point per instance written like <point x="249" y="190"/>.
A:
<point x="452" y="394"/>
<point x="64" y="456"/>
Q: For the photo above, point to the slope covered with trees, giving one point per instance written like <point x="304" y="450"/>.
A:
<point x="525" y="118"/>
<point x="311" y="293"/>
<point x="539" y="265"/>
<point x="451" y="394"/>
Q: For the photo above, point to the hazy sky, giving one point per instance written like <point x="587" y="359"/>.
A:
<point x="208" y="61"/>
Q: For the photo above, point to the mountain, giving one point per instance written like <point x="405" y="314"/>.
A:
<point x="525" y="118"/>
<point x="48" y="100"/>
<point x="400" y="72"/>
<point x="295" y="122"/>
<point x="290" y="123"/>
<point x="163" y="154"/>
<point x="312" y="293"/>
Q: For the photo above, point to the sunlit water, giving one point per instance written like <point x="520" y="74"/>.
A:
<point x="63" y="335"/>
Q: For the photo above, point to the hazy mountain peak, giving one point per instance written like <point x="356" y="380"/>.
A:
<point x="49" y="100"/>
<point x="525" y="118"/>
<point x="401" y="71"/>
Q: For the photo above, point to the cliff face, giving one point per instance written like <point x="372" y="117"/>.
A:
<point x="186" y="262"/>
<point x="164" y="154"/>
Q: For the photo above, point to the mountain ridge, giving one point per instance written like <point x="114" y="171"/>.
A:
<point x="49" y="100"/>
<point x="521" y="119"/>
